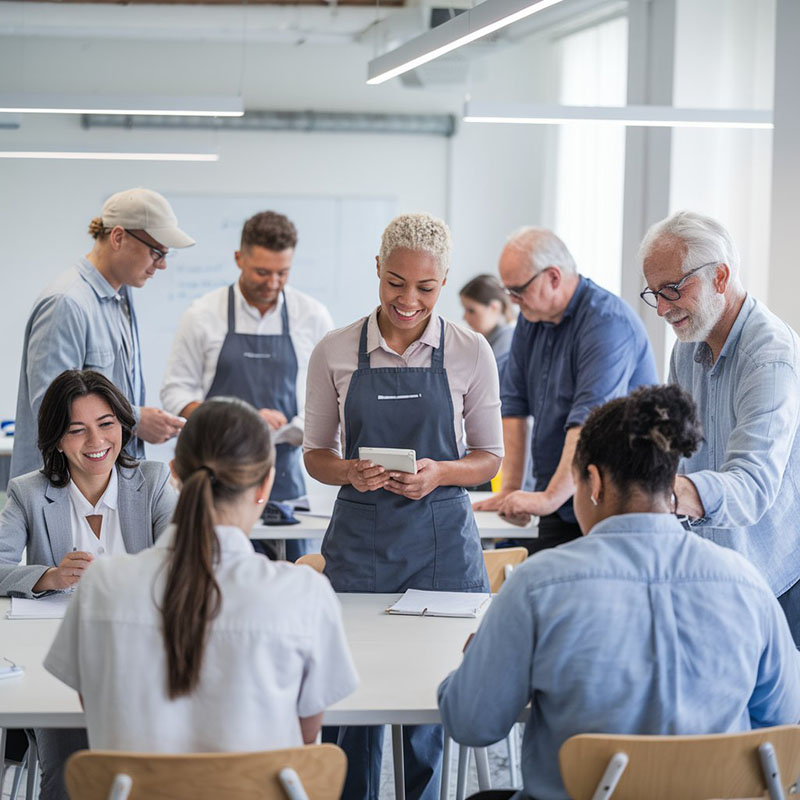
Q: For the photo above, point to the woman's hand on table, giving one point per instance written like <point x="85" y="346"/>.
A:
<point x="364" y="476"/>
<point x="66" y="574"/>
<point x="492" y="503"/>
<point x="519" y="503"/>
<point x="416" y="486"/>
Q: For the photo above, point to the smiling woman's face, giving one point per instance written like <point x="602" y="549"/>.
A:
<point x="93" y="438"/>
<point x="410" y="283"/>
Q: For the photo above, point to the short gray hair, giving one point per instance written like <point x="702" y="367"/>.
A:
<point x="417" y="232"/>
<point x="706" y="241"/>
<point x="543" y="248"/>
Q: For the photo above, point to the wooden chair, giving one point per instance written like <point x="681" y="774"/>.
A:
<point x="103" y="775"/>
<point x="499" y="564"/>
<point x="314" y="560"/>
<point x="753" y="764"/>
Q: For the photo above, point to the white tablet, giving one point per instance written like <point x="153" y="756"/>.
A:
<point x="393" y="458"/>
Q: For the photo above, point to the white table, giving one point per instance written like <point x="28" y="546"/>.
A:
<point x="397" y="685"/>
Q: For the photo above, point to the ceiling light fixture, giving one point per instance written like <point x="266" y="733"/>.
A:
<point x="483" y="19"/>
<point x="633" y="116"/>
<point x="53" y="103"/>
<point x="100" y="156"/>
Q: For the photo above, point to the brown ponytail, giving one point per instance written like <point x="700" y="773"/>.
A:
<point x="96" y="229"/>
<point x="224" y="449"/>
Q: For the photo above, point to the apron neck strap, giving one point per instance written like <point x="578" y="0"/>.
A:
<point x="437" y="357"/>
<point x="284" y="315"/>
<point x="231" y="316"/>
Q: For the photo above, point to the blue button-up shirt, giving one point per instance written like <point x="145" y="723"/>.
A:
<point x="747" y="471"/>
<point x="639" y="628"/>
<point x="76" y="323"/>
<point x="558" y="373"/>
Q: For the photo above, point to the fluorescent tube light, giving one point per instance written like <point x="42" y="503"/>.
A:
<point x="97" y="156"/>
<point x="632" y="116"/>
<point x="483" y="19"/>
<point x="36" y="103"/>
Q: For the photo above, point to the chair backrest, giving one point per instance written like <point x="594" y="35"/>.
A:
<point x="90" y="774"/>
<point x="314" y="560"/>
<point x="497" y="560"/>
<point x="687" y="767"/>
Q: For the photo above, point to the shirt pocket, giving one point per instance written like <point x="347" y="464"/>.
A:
<point x="100" y="359"/>
<point x="458" y="562"/>
<point x="349" y="547"/>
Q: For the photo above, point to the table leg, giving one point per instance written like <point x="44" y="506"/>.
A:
<point x="280" y="549"/>
<point x="399" y="770"/>
<point x="463" y="765"/>
<point x="2" y="757"/>
<point x="482" y="767"/>
<point x="444" y="792"/>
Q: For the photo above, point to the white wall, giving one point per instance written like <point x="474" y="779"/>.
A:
<point x="486" y="181"/>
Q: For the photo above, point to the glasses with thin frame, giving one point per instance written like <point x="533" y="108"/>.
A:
<point x="671" y="291"/>
<point x="518" y="291"/>
<point x="156" y="254"/>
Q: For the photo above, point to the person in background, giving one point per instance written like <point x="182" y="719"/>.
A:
<point x="403" y="377"/>
<point x="199" y="644"/>
<point x="488" y="311"/>
<point x="85" y="319"/>
<point x="639" y="627"/>
<point x="91" y="500"/>
<point x="742" y="366"/>
<point x="252" y="340"/>
<point x="575" y="347"/>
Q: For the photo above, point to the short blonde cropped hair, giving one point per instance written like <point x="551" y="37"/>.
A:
<point x="417" y="232"/>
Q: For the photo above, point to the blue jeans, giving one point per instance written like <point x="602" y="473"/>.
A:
<point x="422" y="757"/>
<point x="790" y="603"/>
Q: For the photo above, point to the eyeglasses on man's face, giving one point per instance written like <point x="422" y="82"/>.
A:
<point x="156" y="254"/>
<point x="518" y="291"/>
<point x="672" y="291"/>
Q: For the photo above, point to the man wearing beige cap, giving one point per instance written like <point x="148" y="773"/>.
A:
<point x="86" y="319"/>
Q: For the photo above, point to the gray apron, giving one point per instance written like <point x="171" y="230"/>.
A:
<point x="379" y="541"/>
<point x="262" y="369"/>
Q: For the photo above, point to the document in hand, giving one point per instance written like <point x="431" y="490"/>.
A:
<point x="440" y="604"/>
<point x="53" y="606"/>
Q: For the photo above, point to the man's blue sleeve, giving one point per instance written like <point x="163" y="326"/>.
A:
<point x="514" y="376"/>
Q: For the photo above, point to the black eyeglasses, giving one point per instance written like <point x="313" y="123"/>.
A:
<point x="156" y="254"/>
<point x="518" y="291"/>
<point x="672" y="291"/>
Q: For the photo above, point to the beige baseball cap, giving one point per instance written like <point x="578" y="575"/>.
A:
<point x="143" y="209"/>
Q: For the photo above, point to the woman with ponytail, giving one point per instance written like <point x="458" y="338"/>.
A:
<point x="200" y="644"/>
<point x="639" y="627"/>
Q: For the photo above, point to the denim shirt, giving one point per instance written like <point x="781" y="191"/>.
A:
<point x="639" y="628"/>
<point x="76" y="323"/>
<point x="559" y="372"/>
<point x="748" y="467"/>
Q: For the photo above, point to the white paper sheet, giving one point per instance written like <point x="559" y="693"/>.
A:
<point x="53" y="606"/>
<point x="441" y="604"/>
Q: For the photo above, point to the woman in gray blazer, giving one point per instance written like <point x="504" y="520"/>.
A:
<point x="90" y="499"/>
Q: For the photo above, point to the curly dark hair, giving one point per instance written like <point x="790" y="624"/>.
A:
<point x="640" y="439"/>
<point x="54" y="417"/>
<point x="270" y="230"/>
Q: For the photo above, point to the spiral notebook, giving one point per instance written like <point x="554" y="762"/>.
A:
<point x="52" y="606"/>
<point x="420" y="603"/>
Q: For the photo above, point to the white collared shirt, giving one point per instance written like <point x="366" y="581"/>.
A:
<point x="110" y="541"/>
<point x="195" y="350"/>
<point x="275" y="652"/>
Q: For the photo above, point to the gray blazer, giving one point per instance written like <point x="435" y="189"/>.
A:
<point x="37" y="516"/>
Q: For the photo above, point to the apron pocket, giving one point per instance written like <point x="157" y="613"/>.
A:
<point x="349" y="547"/>
<point x="459" y="558"/>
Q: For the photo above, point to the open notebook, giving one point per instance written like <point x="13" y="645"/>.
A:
<point x="417" y="602"/>
<point x="52" y="606"/>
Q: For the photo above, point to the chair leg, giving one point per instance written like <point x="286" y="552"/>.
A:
<point x="399" y="770"/>
<point x="444" y="791"/>
<point x="512" y="757"/>
<point x="18" y="778"/>
<point x="482" y="768"/>
<point x="32" y="787"/>
<point x="463" y="766"/>
<point x="771" y="771"/>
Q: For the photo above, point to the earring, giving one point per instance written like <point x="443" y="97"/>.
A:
<point x="260" y="500"/>
<point x="593" y="499"/>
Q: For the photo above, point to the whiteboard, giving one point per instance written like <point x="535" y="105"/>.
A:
<point x="338" y="239"/>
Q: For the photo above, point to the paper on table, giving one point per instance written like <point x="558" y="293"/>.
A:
<point x="440" y="604"/>
<point x="52" y="606"/>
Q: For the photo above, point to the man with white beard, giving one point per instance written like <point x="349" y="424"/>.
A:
<point x="741" y="364"/>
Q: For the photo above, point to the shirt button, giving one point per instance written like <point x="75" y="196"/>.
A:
<point x="101" y="550"/>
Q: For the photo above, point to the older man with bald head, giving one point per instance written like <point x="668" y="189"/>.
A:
<point x="575" y="347"/>
<point x="742" y="365"/>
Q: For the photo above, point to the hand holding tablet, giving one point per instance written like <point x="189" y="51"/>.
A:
<point x="391" y="458"/>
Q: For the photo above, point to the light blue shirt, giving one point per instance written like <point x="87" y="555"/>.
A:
<point x="747" y="470"/>
<point x="640" y="628"/>
<point x="76" y="323"/>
